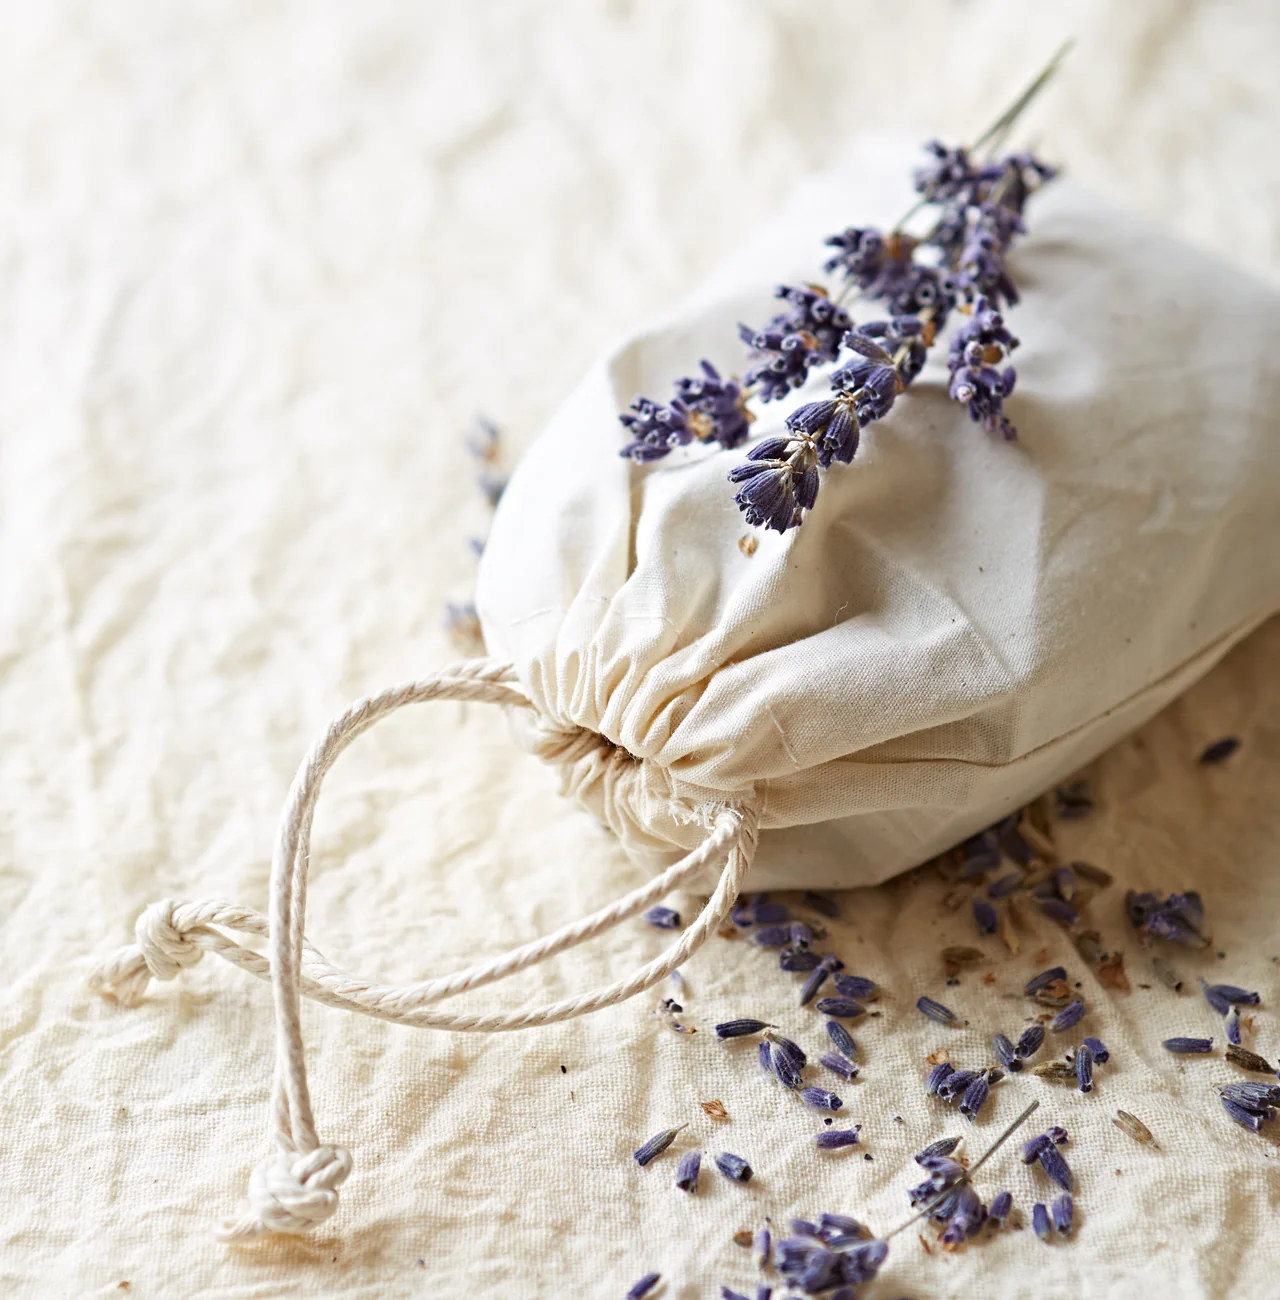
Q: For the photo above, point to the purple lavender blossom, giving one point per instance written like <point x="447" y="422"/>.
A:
<point x="1053" y="1163"/>
<point x="1006" y="1054"/>
<point x="687" y="1171"/>
<point x="1063" y="1213"/>
<point x="1084" y="1068"/>
<point x="1040" y="1221"/>
<point x="643" y="1286"/>
<point x="841" y="1008"/>
<point x="938" y="1076"/>
<point x="1231" y="1026"/>
<point x="798" y="960"/>
<point x="1068" y="1017"/>
<point x="1099" y="1049"/>
<point x="827" y="966"/>
<point x="1189" y="1046"/>
<point x="842" y="1039"/>
<point x="832" y="1139"/>
<point x="1030" y="1042"/>
<point x="1178" y="919"/>
<point x="954" y="1085"/>
<point x="664" y="918"/>
<point x="942" y="1147"/>
<point x="820" y="1099"/>
<point x="734" y="1168"/>
<point x="740" y="1028"/>
<point x="656" y="1145"/>
<point x="779" y="483"/>
<point x="838" y="1064"/>
<point x="985" y="916"/>
<point x="857" y="987"/>
<point x="1044" y="979"/>
<point x="1000" y="1208"/>
<point x="936" y="1011"/>
<point x="975" y="1098"/>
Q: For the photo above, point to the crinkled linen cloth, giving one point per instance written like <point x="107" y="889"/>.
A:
<point x="259" y="264"/>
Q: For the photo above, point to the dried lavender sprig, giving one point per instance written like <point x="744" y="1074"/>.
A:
<point x="734" y="1168"/>
<point x="664" y="918"/>
<point x="740" y="1028"/>
<point x="936" y="1011"/>
<point x="643" y="1286"/>
<point x="687" y="1171"/>
<point x="656" y="1145"/>
<point x="832" y="1139"/>
<point x="1189" y="1046"/>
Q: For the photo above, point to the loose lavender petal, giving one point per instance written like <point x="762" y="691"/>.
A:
<point x="1032" y="1147"/>
<point x="1219" y="751"/>
<point x="841" y="1225"/>
<point x="856" y="987"/>
<point x="838" y="1064"/>
<point x="1099" y="1049"/>
<point x="740" y="1028"/>
<point x="820" y="1099"/>
<point x="1233" y="995"/>
<point x="1215" y="998"/>
<point x="643" y="1286"/>
<point x="1057" y="1134"/>
<point x="1045" y="978"/>
<point x="1189" y="1046"/>
<point x="1231" y="1026"/>
<point x="1063" y="1213"/>
<point x="844" y="1008"/>
<point x="1052" y="1162"/>
<point x="975" y="1097"/>
<point x="1056" y="910"/>
<point x="942" y="1147"/>
<point x="773" y="936"/>
<point x="1242" y="1116"/>
<point x="782" y="1067"/>
<point x="687" y="1171"/>
<point x="1040" y="1221"/>
<point x="1084" y="1068"/>
<point x="819" y="977"/>
<point x="821" y="903"/>
<point x="772" y="913"/>
<point x="665" y="918"/>
<point x="1251" y="1093"/>
<point x="936" y="1011"/>
<point x="985" y="916"/>
<point x="1000" y="1208"/>
<point x="1005" y="1053"/>
<point x="954" y="1085"/>
<point x="1031" y="1041"/>
<point x="832" y="1139"/>
<point x="794" y="1051"/>
<point x="843" y="1039"/>
<point x="762" y="1247"/>
<point x="798" y="960"/>
<point x="656" y="1145"/>
<point x="1068" y="1017"/>
<point x="938" y="1076"/>
<point x="734" y="1168"/>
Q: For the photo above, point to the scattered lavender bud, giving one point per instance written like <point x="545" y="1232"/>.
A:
<point x="843" y="1039"/>
<point x="938" y="1076"/>
<point x="1000" y="1208"/>
<point x="975" y="1098"/>
<point x="942" y="1147"/>
<point x="1045" y="978"/>
<point x="1033" y="1146"/>
<point x="794" y="1051"/>
<point x="743" y="911"/>
<point x="820" y="1099"/>
<point x="1215" y="999"/>
<point x="762" y="1247"/>
<point x="936" y="1011"/>
<point x="981" y="853"/>
<point x="773" y="936"/>
<point x="772" y="913"/>
<point x="734" y="1168"/>
<point x="833" y="1139"/>
<point x="985" y="916"/>
<point x="1057" y="1134"/>
<point x="1068" y="1017"/>
<point x="838" y="1064"/>
<point x="1219" y="751"/>
<point x="819" y="977"/>
<point x="803" y="1228"/>
<point x="687" y="1171"/>
<point x="1134" y="1127"/>
<point x="780" y="1065"/>
<point x="954" y="1085"/>
<point x="1056" y="910"/>
<point x="1231" y="1026"/>
<point x="1248" y="1118"/>
<point x="644" y="1286"/>
<point x="841" y="1230"/>
<point x="1030" y="1042"/>
<point x="1251" y="1093"/>
<point x="1232" y="995"/>
<point x="656" y="1145"/>
<point x="1052" y="1162"/>
<point x="1084" y="1067"/>
<point x="1063" y="1213"/>
<point x="663" y="917"/>
<point x="844" y="1008"/>
<point x="1189" y="1046"/>
<point x="1073" y="801"/>
<point x="1005" y="1053"/>
<point x="798" y="960"/>
<point x="801" y="935"/>
<point x="1246" y="1059"/>
<point x="765" y="1292"/>
<point x="1040" y="1221"/>
<point x="740" y="1028"/>
<point x="1099" y="1049"/>
<point x="856" y="987"/>
<point x="1005" y="885"/>
<point x="1065" y="880"/>
<point x="728" y="1293"/>
<point x="821" y="903"/>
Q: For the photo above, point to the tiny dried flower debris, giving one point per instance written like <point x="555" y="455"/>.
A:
<point x="1247" y="1060"/>
<point x="734" y="1168"/>
<point x="1189" y="1046"/>
<point x="1055" y="1072"/>
<point x="644" y="1286"/>
<point x="1063" y="1213"/>
<point x="740" y="1028"/>
<point x="687" y="1171"/>
<point x="1068" y="1017"/>
<point x="1054" y="975"/>
<point x="834" y="1139"/>
<point x="1134" y="1127"/>
<point x="820" y="1099"/>
<point x="1219" y="751"/>
<point x="656" y="1145"/>
<point x="715" y="1108"/>
<point x="664" y="918"/>
<point x="936" y="1011"/>
<point x="462" y="625"/>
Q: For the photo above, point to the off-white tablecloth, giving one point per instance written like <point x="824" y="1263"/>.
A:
<point x="259" y="264"/>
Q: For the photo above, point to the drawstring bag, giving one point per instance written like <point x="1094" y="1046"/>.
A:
<point x="960" y="622"/>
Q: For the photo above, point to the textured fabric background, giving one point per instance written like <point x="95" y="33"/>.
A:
<point x="259" y="264"/>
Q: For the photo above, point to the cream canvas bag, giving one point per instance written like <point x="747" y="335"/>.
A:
<point x="959" y="623"/>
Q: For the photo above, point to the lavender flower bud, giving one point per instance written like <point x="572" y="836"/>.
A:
<point x="1052" y="1162"/>
<point x="1189" y="1046"/>
<point x="820" y="1099"/>
<point x="1031" y="1149"/>
<point x="832" y="1139"/>
<point x="1251" y="1094"/>
<point x="942" y="1147"/>
<point x="1063" y="1213"/>
<point x="740" y="1028"/>
<point x="1249" y="1119"/>
<point x="833" y="1227"/>
<point x="1099" y="1049"/>
<point x="954" y="1085"/>
<point x="1005" y="886"/>
<point x="734" y="1168"/>
<point x="936" y="1011"/>
<point x="772" y="913"/>
<point x="975" y="1098"/>
<point x="798" y="960"/>
<point x="1057" y="1134"/>
<point x="838" y="1064"/>
<point x="1000" y="1208"/>
<point x="762" y="1247"/>
<point x="792" y="1050"/>
<point x="842" y="1038"/>
<point x="687" y="1171"/>
<point x="801" y="935"/>
<point x="1070" y="1015"/>
<point x="1084" y="1067"/>
<point x="1044" y="979"/>
<point x="1030" y="1042"/>
<point x="1040" y="1221"/>
<point x="819" y="977"/>
<point x="1219" y="751"/>
<point x="1231" y="1026"/>
<point x="1232" y="995"/>
<point x="985" y="916"/>
<point x="773" y="936"/>
<point x="862" y="1263"/>
<point x="663" y="917"/>
<point x="845" y="1008"/>
<point x="656" y="1145"/>
<point x="1056" y="910"/>
<point x="643" y="1286"/>
<point x="821" y="903"/>
<point x="856" y="987"/>
<point x="1005" y="1053"/>
<point x="938" y="1076"/>
<point x="780" y="1065"/>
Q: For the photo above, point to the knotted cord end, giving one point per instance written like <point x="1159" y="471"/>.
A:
<point x="290" y="1192"/>
<point x="163" y="949"/>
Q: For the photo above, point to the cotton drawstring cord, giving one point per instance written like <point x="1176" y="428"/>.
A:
<point x="295" y="1187"/>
